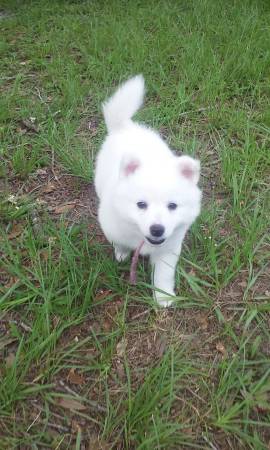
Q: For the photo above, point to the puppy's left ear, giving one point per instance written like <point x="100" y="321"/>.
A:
<point x="189" y="168"/>
<point x="129" y="165"/>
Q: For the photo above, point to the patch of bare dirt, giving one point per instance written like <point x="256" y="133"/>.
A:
<point x="61" y="193"/>
<point x="58" y="192"/>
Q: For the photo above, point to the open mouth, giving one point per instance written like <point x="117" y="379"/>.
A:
<point x="155" y="241"/>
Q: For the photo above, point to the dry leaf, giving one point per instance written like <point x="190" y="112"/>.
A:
<point x="25" y="327"/>
<point x="44" y="254"/>
<point x="56" y="320"/>
<point x="64" y="208"/>
<point x="75" y="377"/>
<point x="223" y="232"/>
<point x="102" y="294"/>
<point x="11" y="282"/>
<point x="188" y="431"/>
<point x="120" y="369"/>
<point x="6" y="341"/>
<point x="107" y="324"/>
<point x="41" y="172"/>
<point x="15" y="231"/>
<point x="75" y="426"/>
<point x="71" y="404"/>
<point x="50" y="187"/>
<point x="220" y="348"/>
<point x="203" y="322"/>
<point x="161" y="346"/>
<point x="12" y="199"/>
<point x="192" y="272"/>
<point x="121" y="347"/>
<point x="30" y="125"/>
<point x="21" y="130"/>
<point x="10" y="360"/>
<point x="262" y="409"/>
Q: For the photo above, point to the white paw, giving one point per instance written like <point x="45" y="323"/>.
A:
<point x="164" y="299"/>
<point x="120" y="254"/>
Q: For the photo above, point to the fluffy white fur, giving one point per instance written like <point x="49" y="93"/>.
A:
<point x="135" y="165"/>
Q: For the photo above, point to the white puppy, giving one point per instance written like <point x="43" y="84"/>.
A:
<point x="147" y="194"/>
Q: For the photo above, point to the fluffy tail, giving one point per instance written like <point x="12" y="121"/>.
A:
<point x="124" y="103"/>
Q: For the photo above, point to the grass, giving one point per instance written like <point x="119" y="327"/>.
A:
<point x="87" y="360"/>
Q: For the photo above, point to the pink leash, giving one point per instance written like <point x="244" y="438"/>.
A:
<point x="134" y="262"/>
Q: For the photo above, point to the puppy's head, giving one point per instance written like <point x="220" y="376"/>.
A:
<point x="158" y="197"/>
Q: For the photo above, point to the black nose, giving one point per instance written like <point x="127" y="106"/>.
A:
<point x="157" y="230"/>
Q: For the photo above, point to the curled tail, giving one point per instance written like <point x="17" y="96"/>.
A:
<point x="124" y="103"/>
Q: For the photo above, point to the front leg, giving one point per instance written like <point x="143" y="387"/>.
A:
<point x="121" y="252"/>
<point x="164" y="266"/>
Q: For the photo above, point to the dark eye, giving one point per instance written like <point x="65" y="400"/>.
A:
<point x="172" y="206"/>
<point x="142" y="205"/>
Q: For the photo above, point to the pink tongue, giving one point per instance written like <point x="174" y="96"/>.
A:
<point x="134" y="262"/>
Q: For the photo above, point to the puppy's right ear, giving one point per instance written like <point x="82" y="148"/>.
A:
<point x="128" y="166"/>
<point x="189" y="168"/>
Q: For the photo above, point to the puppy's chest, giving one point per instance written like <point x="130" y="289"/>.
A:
<point x="128" y="235"/>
